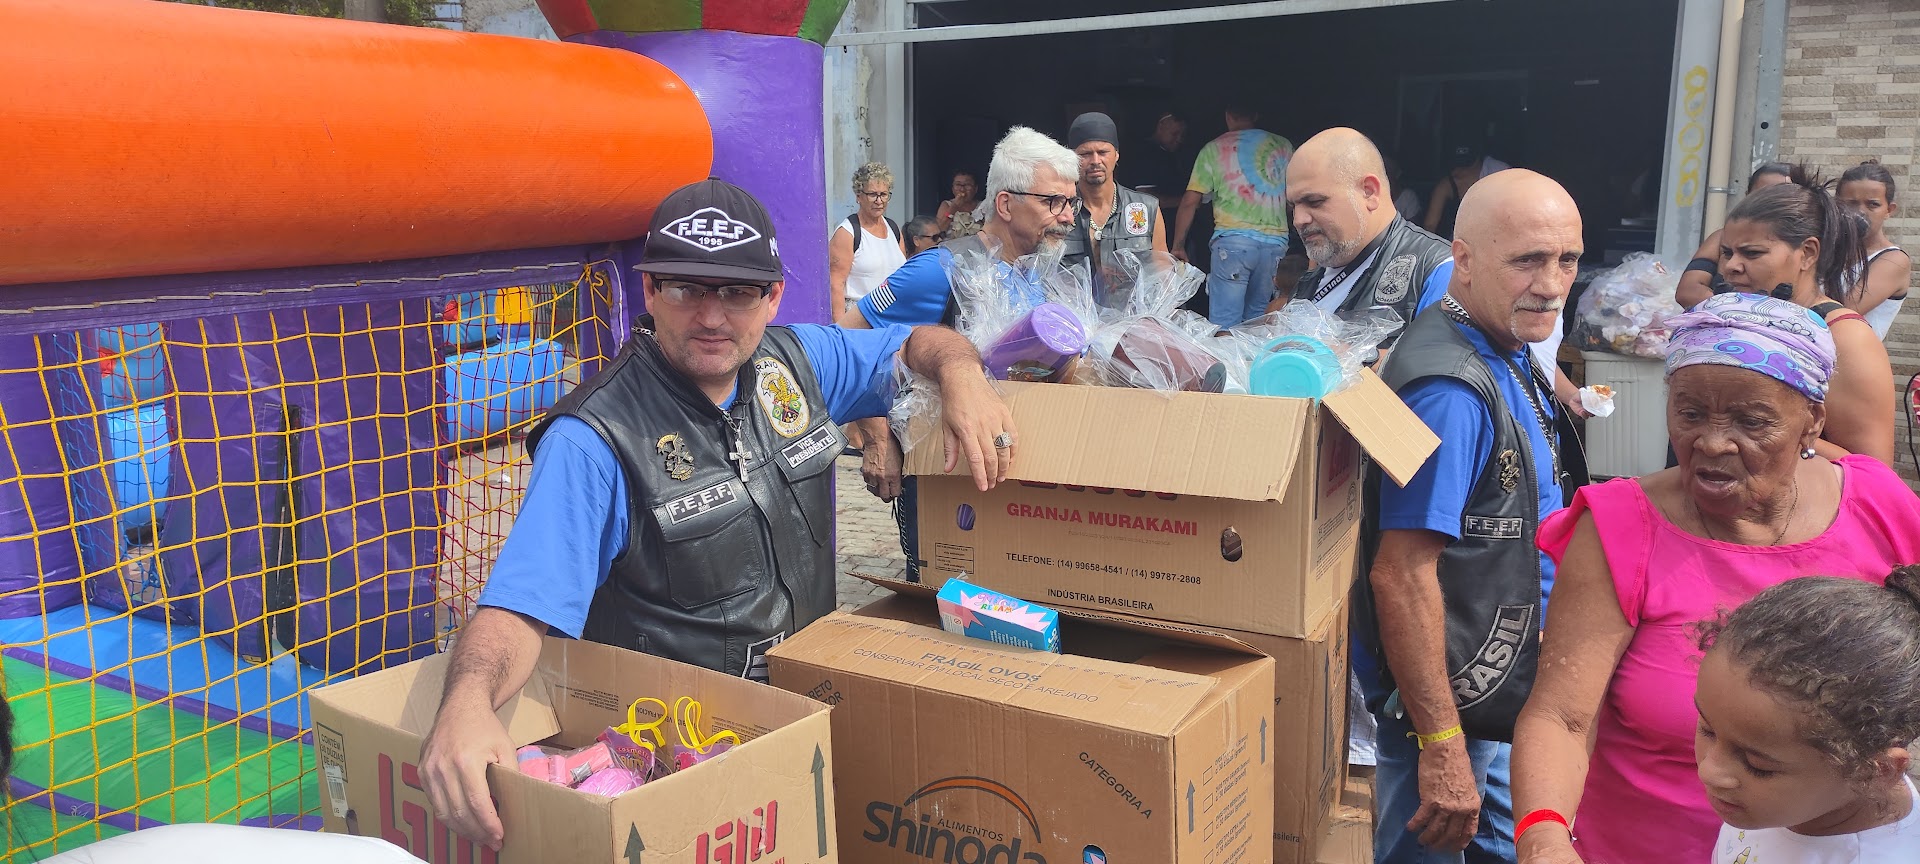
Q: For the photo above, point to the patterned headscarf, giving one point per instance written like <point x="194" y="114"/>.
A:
<point x="1776" y="338"/>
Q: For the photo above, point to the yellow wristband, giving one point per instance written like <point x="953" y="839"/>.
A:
<point x="1435" y="738"/>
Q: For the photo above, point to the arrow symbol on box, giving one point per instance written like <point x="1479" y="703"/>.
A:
<point x="820" y="798"/>
<point x="634" y="846"/>
<point x="1189" y="807"/>
<point x="1263" y="740"/>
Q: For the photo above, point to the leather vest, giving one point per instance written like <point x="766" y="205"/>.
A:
<point x="1490" y="577"/>
<point x="1404" y="256"/>
<point x="1129" y="227"/>
<point x="725" y="557"/>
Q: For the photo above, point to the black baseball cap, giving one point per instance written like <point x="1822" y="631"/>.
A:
<point x="712" y="229"/>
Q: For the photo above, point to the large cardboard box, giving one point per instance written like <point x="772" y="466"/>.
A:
<point x="1140" y="742"/>
<point x="1310" y="735"/>
<point x="767" y="800"/>
<point x="1240" y="512"/>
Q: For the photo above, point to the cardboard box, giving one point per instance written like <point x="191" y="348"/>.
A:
<point x="1310" y="735"/>
<point x="1241" y="512"/>
<point x="1140" y="742"/>
<point x="1349" y="839"/>
<point x="767" y="800"/>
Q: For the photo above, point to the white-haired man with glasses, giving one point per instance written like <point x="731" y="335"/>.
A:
<point x="681" y="500"/>
<point x="1031" y="203"/>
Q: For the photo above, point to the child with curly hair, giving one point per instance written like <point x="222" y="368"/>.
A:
<point x="1809" y="699"/>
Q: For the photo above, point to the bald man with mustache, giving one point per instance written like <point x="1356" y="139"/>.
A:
<point x="1448" y="615"/>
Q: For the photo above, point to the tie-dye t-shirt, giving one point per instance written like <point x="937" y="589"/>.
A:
<point x="1246" y="173"/>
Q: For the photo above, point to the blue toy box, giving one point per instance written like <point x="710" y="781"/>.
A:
<point x="978" y="613"/>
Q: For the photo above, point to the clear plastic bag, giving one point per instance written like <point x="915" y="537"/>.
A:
<point x="1302" y="351"/>
<point x="1029" y="319"/>
<point x="1153" y="353"/>
<point x="1022" y="317"/>
<point x="1625" y="310"/>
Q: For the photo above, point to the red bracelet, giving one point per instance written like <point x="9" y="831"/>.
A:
<point x="1537" y="817"/>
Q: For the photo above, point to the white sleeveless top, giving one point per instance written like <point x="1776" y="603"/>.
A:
<point x="873" y="261"/>
<point x="1880" y="317"/>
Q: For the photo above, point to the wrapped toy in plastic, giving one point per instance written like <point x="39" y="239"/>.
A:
<point x="611" y="781"/>
<point x="1145" y="341"/>
<point x="1625" y="310"/>
<point x="635" y="755"/>
<point x="1026" y="318"/>
<point x="569" y="768"/>
<point x="1303" y="352"/>
<point x="695" y="745"/>
<point x="1154" y="354"/>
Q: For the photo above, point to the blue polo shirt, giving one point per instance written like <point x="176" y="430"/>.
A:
<point x="916" y="293"/>
<point x="573" y="520"/>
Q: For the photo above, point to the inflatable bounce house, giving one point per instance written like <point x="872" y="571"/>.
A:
<point x="278" y="298"/>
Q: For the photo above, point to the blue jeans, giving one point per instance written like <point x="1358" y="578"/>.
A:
<point x="1241" y="282"/>
<point x="1396" y="797"/>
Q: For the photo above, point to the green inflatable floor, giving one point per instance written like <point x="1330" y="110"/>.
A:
<point x="94" y="745"/>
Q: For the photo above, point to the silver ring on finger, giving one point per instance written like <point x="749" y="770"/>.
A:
<point x="1002" y="441"/>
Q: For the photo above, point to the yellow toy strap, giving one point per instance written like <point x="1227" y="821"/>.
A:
<point x="686" y="716"/>
<point x="633" y="728"/>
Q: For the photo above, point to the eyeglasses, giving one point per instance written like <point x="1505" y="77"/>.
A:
<point x="876" y="196"/>
<point x="1056" y="204"/>
<point x="733" y="298"/>
<point x="933" y="237"/>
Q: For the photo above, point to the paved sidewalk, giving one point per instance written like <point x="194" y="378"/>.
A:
<point x="869" y="540"/>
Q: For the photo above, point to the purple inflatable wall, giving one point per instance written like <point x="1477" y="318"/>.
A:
<point x="323" y="419"/>
<point x="56" y="525"/>
<point x="762" y="96"/>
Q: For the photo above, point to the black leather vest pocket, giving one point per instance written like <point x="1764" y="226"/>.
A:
<point x="711" y="541"/>
<point x="807" y="463"/>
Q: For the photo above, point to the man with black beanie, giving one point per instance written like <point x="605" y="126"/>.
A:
<point x="1112" y="217"/>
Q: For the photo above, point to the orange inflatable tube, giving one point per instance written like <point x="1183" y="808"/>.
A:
<point x="148" y="138"/>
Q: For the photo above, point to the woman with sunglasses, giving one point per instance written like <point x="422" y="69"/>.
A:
<point x="923" y="233"/>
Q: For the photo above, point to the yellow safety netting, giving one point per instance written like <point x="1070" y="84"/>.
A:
<point x="202" y="519"/>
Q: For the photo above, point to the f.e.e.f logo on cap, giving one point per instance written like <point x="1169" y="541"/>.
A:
<point x="710" y="229"/>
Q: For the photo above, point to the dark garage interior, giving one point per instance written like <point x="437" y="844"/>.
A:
<point x="1576" y="90"/>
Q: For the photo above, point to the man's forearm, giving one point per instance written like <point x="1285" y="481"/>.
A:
<point x="1183" y="221"/>
<point x="937" y="352"/>
<point x="852" y="319"/>
<point x="1406" y="599"/>
<point x="492" y="659"/>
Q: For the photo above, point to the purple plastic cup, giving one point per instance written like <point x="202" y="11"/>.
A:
<point x="1038" y="346"/>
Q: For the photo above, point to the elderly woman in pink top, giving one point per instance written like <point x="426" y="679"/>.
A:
<point x="1609" y="729"/>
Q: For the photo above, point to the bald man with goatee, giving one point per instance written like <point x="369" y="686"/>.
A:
<point x="1449" y="610"/>
<point x="1364" y="254"/>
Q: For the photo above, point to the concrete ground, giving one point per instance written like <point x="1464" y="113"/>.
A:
<point x="869" y="540"/>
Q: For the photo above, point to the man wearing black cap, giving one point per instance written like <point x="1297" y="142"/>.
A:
<point x="1112" y="217"/>
<point x="681" y="500"/>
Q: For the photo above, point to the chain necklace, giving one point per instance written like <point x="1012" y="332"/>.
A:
<point x="1792" y="510"/>
<point x="1529" y="382"/>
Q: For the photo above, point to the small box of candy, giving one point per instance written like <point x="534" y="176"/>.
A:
<point x="969" y="610"/>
